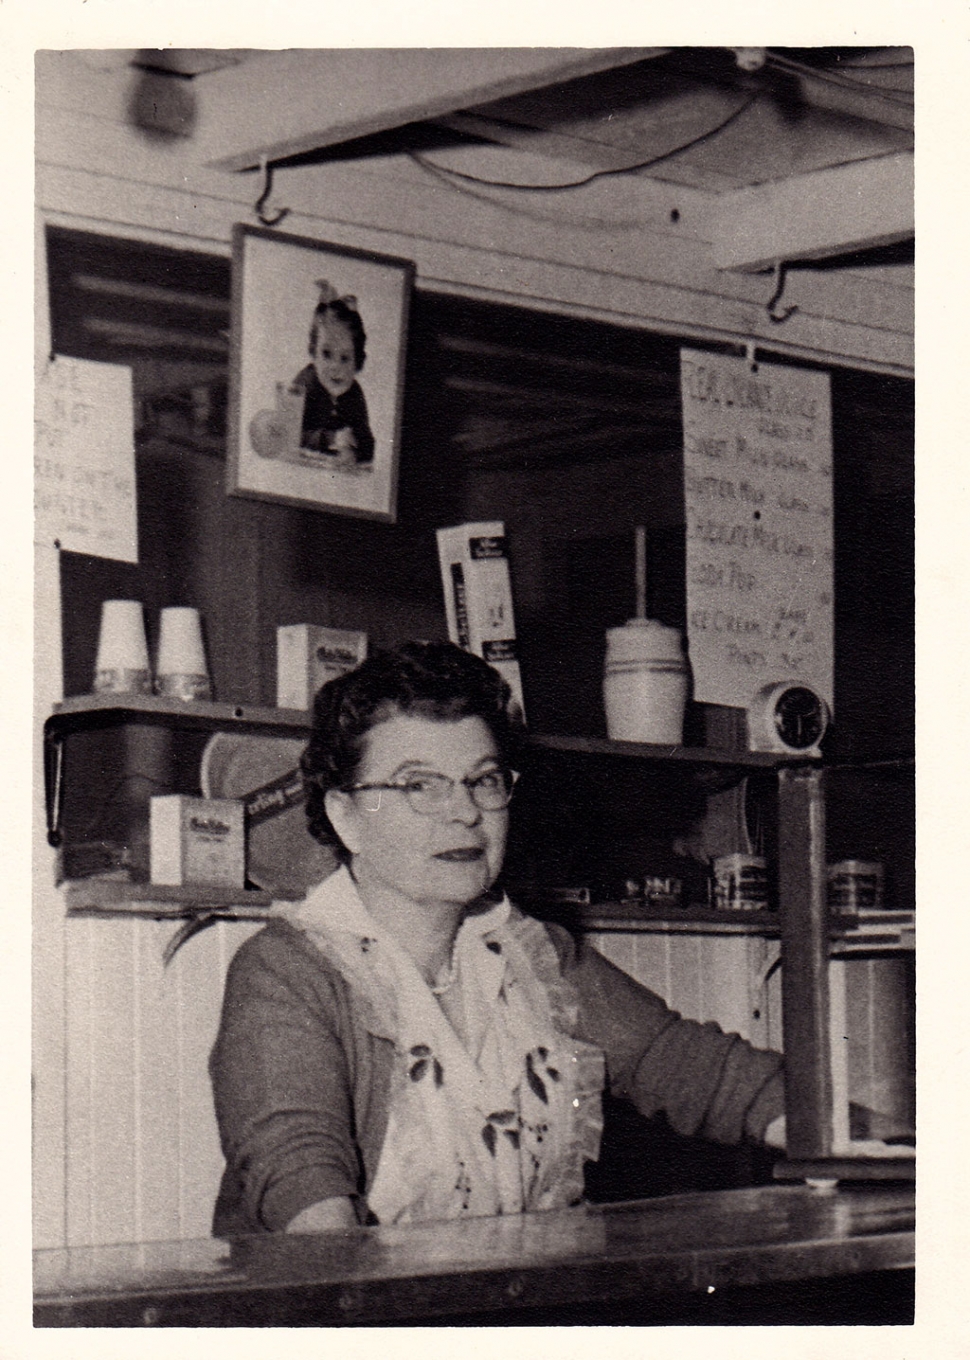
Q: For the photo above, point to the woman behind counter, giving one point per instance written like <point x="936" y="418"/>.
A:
<point x="406" y="1045"/>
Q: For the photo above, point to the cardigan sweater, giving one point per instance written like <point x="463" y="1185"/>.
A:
<point x="301" y="1085"/>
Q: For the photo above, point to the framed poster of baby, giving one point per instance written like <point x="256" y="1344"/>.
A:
<point x="317" y="373"/>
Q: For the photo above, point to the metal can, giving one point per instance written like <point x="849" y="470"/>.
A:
<point x="662" y="890"/>
<point x="740" y="883"/>
<point x="855" y="885"/>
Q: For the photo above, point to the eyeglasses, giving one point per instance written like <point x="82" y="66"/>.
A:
<point x="430" y="794"/>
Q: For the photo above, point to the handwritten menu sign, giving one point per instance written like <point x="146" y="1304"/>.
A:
<point x="758" y="499"/>
<point x="84" y="459"/>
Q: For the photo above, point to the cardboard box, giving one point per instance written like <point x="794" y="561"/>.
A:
<point x="478" y="596"/>
<point x="197" y="840"/>
<point x="308" y="655"/>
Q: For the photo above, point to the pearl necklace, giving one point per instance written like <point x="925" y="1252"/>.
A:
<point x="446" y="977"/>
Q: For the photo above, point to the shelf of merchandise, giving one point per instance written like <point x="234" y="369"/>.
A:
<point x="698" y="756"/>
<point x="111" y="895"/>
<point x="867" y="933"/>
<point x="809" y="937"/>
<point x="115" y="895"/>
<point x="85" y="711"/>
<point x="120" y="897"/>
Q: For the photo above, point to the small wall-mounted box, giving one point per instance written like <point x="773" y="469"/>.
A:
<point x="308" y="655"/>
<point x="197" y="840"/>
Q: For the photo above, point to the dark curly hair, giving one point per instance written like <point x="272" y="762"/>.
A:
<point x="347" y="316"/>
<point x="435" y="680"/>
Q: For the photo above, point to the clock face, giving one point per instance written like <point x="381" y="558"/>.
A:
<point x="800" y="717"/>
<point x="787" y="716"/>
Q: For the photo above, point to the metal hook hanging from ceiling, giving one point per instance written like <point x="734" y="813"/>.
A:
<point x="775" y="313"/>
<point x="268" y="219"/>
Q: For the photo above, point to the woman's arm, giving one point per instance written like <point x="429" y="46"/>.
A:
<point x="282" y="1085"/>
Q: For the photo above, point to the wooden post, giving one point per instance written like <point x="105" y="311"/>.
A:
<point x="805" y="954"/>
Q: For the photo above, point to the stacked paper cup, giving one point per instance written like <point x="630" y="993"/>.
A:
<point x="182" y="672"/>
<point x="122" y="662"/>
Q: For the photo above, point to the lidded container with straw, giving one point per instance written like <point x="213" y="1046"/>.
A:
<point x="645" y="682"/>
<point x="645" y="674"/>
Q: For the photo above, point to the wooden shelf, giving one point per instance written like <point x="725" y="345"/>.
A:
<point x="93" y="710"/>
<point x="890" y="940"/>
<point x="635" y="916"/>
<point x="685" y="755"/>
<point x="848" y="934"/>
<point x="894" y="1164"/>
<point x="119" y="897"/>
<point x="85" y="711"/>
<point x="105" y="897"/>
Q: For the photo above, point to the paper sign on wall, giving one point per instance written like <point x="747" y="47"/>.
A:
<point x="758" y="501"/>
<point x="84" y="459"/>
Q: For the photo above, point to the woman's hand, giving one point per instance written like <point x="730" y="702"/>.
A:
<point x="871" y="1132"/>
<point x="776" y="1134"/>
<point x="324" y="1216"/>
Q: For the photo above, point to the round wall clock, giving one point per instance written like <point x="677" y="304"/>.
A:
<point x="789" y="717"/>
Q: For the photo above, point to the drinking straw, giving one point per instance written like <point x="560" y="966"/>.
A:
<point x="641" y="571"/>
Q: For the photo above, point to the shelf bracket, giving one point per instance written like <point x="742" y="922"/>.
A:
<point x="53" y="786"/>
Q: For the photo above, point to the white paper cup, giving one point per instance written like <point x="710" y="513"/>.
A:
<point x="182" y="671"/>
<point x="122" y="660"/>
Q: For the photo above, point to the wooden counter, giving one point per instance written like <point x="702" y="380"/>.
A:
<point x="492" y="1270"/>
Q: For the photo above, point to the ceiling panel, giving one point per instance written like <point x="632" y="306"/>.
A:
<point x="693" y="117"/>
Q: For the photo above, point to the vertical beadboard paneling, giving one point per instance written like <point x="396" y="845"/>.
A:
<point x="113" y="1141"/>
<point x="893" y="1068"/>
<point x="840" y="1052"/>
<point x="48" y="1063"/>
<point x="703" y="977"/>
<point x="48" y="1057"/>
<point x="198" y="971"/>
<point x="878" y="1021"/>
<point x="859" y="1014"/>
<point x="775" y="1036"/>
<point x="192" y="982"/>
<point x="157" y="1087"/>
<point x="652" y="963"/>
<point x="80" y="945"/>
<point x="617" y="947"/>
<point x="724" y="982"/>
<point x="686" y="992"/>
<point x="764" y="996"/>
<point x="142" y="1157"/>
